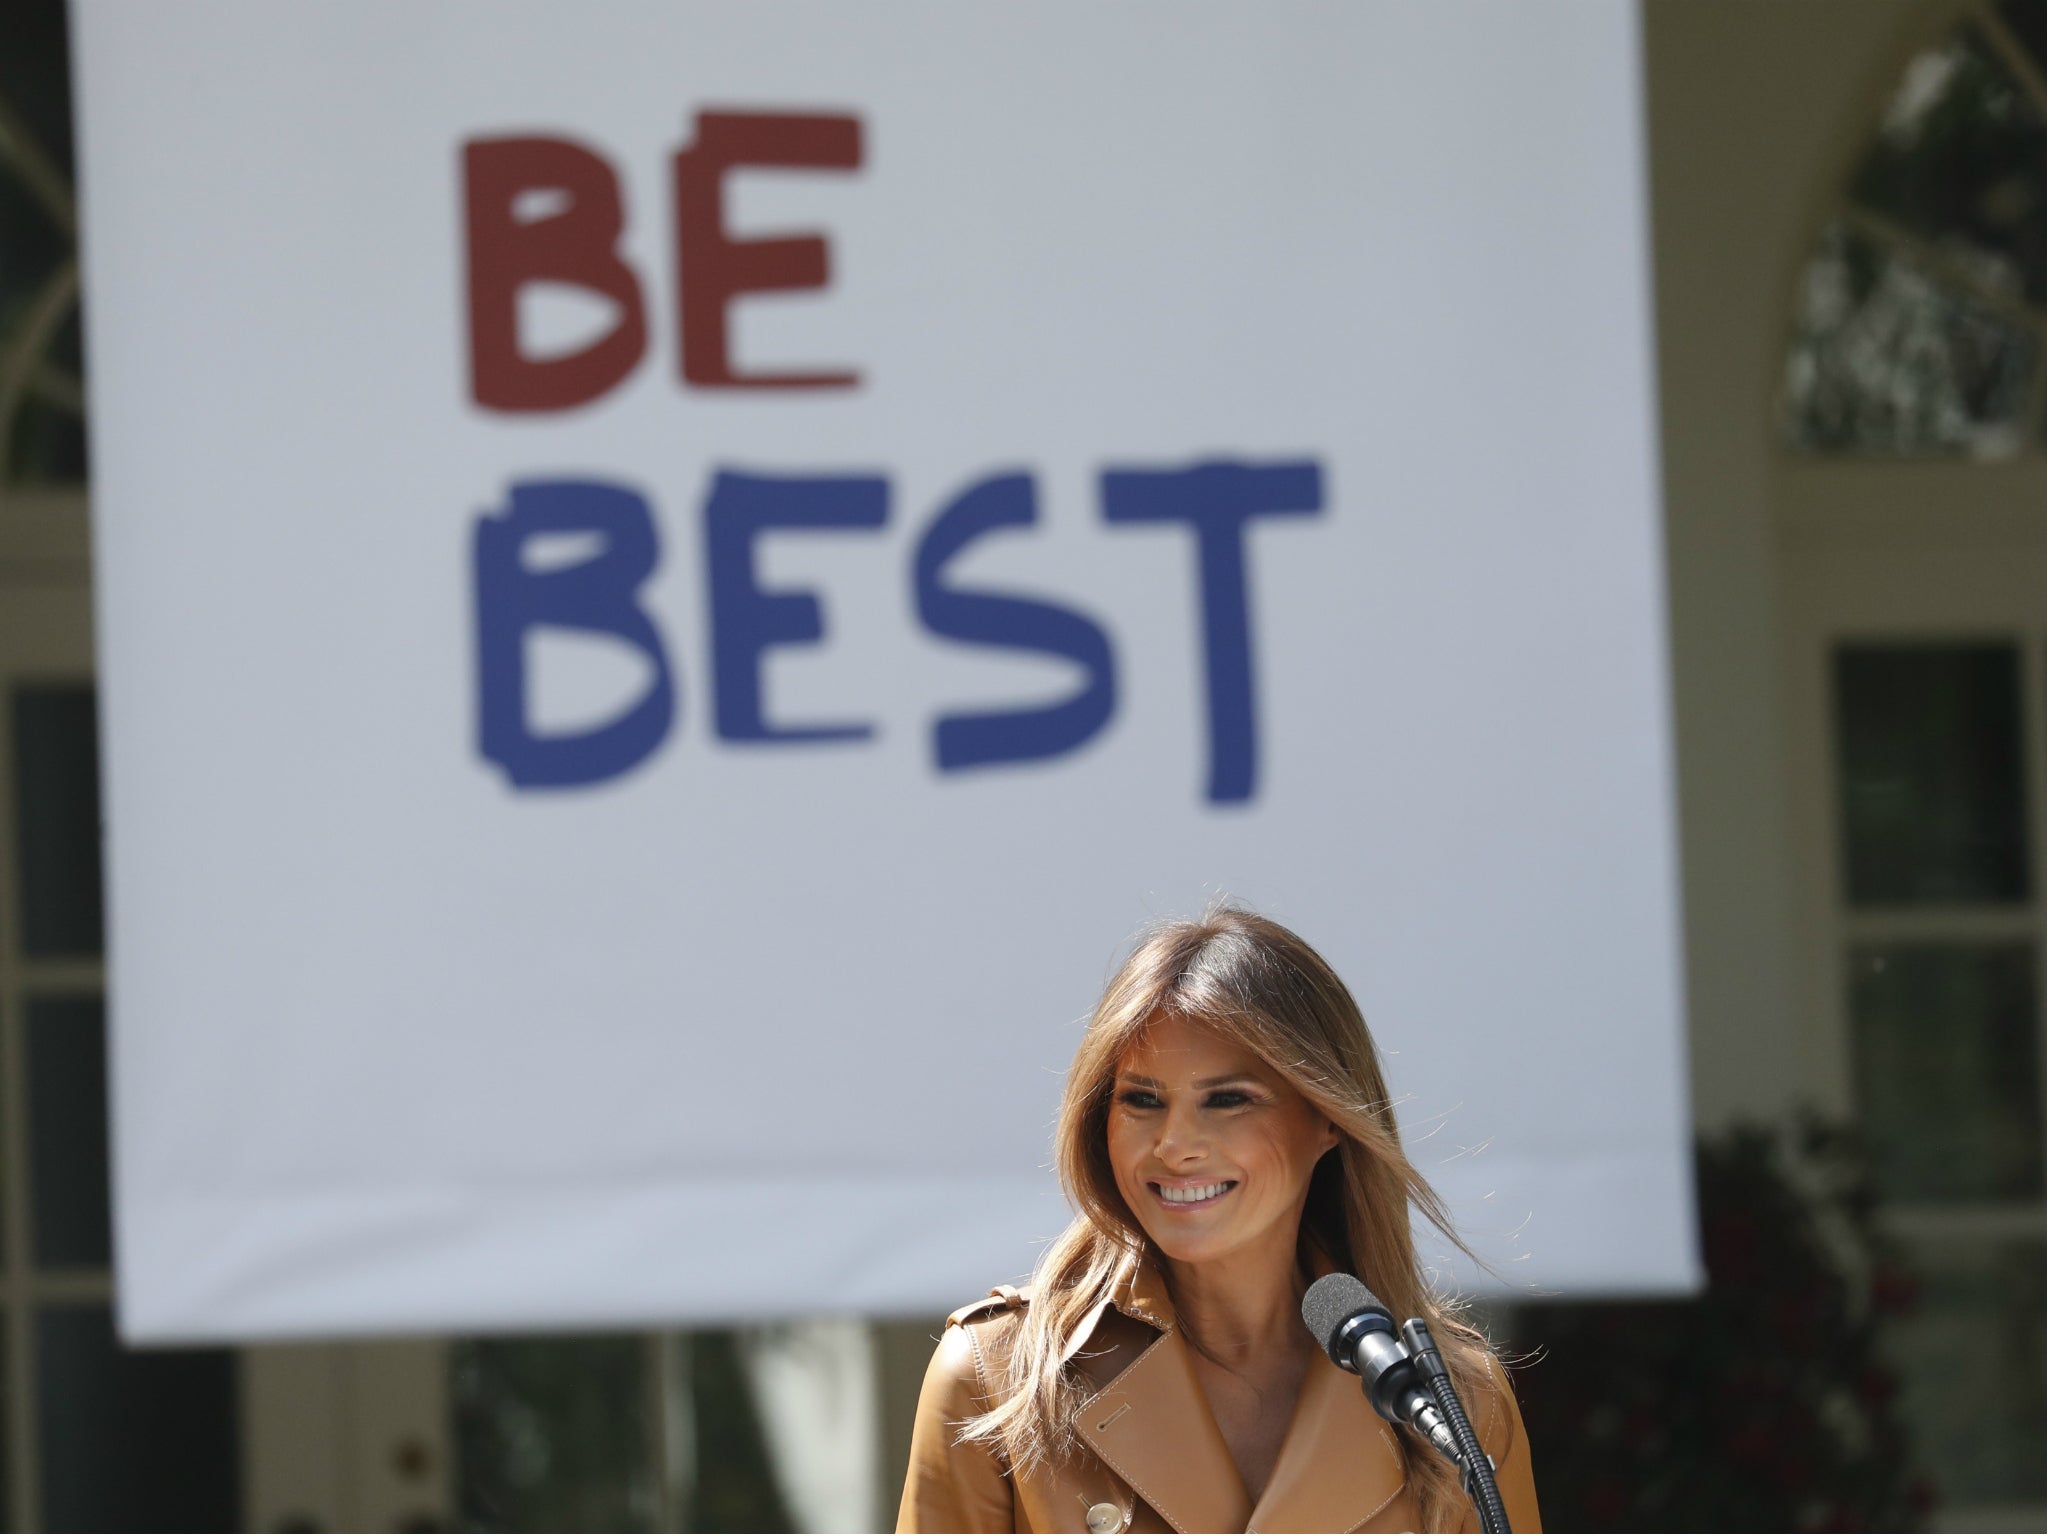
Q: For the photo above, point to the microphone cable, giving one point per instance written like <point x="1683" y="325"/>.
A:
<point x="1477" y="1466"/>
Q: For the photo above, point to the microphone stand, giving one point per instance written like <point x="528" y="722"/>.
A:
<point x="1475" y="1465"/>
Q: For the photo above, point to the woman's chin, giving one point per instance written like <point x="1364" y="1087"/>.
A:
<point x="1191" y="1248"/>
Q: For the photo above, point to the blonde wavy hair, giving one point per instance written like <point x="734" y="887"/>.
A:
<point x="1260" y="984"/>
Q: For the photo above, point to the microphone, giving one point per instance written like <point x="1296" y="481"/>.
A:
<point x="1356" y="1331"/>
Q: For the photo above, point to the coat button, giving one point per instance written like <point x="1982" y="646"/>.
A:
<point x="1104" y="1518"/>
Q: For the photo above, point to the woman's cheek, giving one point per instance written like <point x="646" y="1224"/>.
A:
<point x="1262" y="1146"/>
<point x="1121" y="1154"/>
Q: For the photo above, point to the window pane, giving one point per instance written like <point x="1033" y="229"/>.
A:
<point x="1947" y="1069"/>
<point x="35" y="246"/>
<point x="133" y="1440"/>
<point x="1929" y="752"/>
<point x="1969" y="1356"/>
<point x="1957" y="161"/>
<point x="67" y="1125"/>
<point x="553" y="1435"/>
<point x="1886" y="361"/>
<point x="44" y="444"/>
<point x="57" y="819"/>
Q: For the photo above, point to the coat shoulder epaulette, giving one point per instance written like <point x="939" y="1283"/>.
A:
<point x="1004" y="1298"/>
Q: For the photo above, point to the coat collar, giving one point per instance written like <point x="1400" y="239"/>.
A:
<point x="1152" y="1426"/>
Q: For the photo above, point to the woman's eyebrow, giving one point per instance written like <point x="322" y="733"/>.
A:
<point x="1203" y="1082"/>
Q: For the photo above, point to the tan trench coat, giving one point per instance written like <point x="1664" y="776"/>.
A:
<point x="1152" y="1458"/>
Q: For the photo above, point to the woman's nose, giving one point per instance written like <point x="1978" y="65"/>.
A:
<point x="1181" y="1139"/>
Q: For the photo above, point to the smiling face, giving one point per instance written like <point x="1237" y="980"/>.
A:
<point x="1212" y="1148"/>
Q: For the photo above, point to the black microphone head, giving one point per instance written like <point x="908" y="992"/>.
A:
<point x="1334" y="1301"/>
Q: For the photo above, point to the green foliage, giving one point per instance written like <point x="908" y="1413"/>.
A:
<point x="1762" y="1404"/>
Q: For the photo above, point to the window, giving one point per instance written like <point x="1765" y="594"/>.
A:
<point x="78" y="1404"/>
<point x="42" y="388"/>
<point x="1917" y="329"/>
<point x="1914" y="656"/>
<point x="1942" y="992"/>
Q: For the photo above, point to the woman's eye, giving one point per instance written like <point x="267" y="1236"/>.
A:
<point x="1138" y="1098"/>
<point x="1229" y="1098"/>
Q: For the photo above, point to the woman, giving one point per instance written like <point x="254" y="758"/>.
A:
<point x="1226" y="1135"/>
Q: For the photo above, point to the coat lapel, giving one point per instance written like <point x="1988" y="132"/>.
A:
<point x="1152" y="1427"/>
<point x="1339" y="1466"/>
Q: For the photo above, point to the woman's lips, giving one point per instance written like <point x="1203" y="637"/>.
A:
<point x="1191" y="1195"/>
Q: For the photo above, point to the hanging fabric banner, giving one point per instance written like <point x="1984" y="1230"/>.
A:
<point x="675" y="582"/>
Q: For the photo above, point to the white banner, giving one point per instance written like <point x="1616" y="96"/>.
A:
<point x="676" y="581"/>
